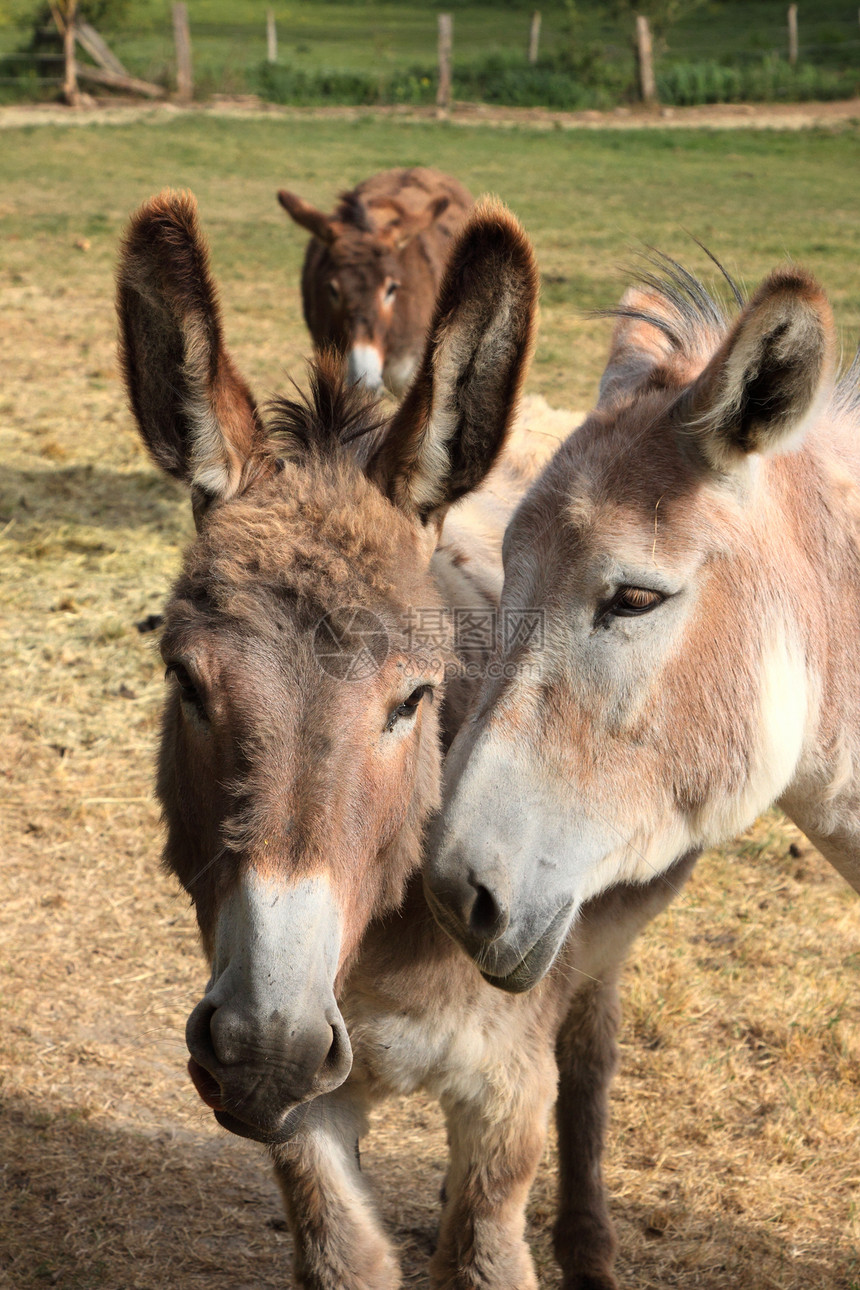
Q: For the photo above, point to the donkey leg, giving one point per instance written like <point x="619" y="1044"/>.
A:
<point x="338" y="1238"/>
<point x="496" y="1139"/>
<point x="587" y="1054"/>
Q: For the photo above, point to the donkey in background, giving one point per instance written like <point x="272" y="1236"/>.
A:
<point x="696" y="547"/>
<point x="296" y="798"/>
<point x="373" y="267"/>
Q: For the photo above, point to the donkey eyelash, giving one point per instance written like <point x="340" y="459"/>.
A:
<point x="409" y="706"/>
<point x="629" y="602"/>
<point x="638" y="599"/>
<point x="187" y="689"/>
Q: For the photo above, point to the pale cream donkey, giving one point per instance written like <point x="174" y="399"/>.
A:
<point x="694" y="548"/>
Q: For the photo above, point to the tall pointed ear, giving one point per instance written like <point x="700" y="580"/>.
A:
<point x="194" y="411"/>
<point x="307" y="216"/>
<point x="401" y="230"/>
<point x="763" y="385"/>
<point x="639" y="344"/>
<point x="448" y="432"/>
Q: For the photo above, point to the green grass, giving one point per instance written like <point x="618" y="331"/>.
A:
<point x="371" y="50"/>
<point x="589" y="200"/>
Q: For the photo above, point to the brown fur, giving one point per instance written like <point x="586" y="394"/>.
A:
<point x="270" y="766"/>
<point x="170" y="320"/>
<point x="489" y="264"/>
<point x="394" y="230"/>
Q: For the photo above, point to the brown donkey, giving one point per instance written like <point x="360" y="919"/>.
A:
<point x="372" y="269"/>
<point x="696" y="548"/>
<point x="300" y="760"/>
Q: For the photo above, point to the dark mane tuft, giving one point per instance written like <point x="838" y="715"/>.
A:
<point x="352" y="210"/>
<point x="329" y="416"/>
<point x="692" y="318"/>
<point x="695" y="321"/>
<point x="846" y="396"/>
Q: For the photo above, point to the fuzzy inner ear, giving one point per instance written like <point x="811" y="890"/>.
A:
<point x="307" y="216"/>
<point x="195" y="413"/>
<point x="453" y="422"/>
<point x="762" y="386"/>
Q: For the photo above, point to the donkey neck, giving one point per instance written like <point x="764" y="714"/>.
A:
<point x="818" y="491"/>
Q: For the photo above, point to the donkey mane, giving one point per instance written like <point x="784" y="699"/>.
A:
<point x="695" y="321"/>
<point x="686" y="311"/>
<point x="318" y="532"/>
<point x="352" y="210"/>
<point x="331" y="415"/>
<point x="846" y="396"/>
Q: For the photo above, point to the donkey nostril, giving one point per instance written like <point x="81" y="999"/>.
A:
<point x="197" y="1032"/>
<point x="338" y="1060"/>
<point x="335" y="1054"/>
<point x="206" y="1084"/>
<point x="487" y="918"/>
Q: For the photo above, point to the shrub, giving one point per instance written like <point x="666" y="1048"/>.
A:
<point x="499" y="78"/>
<point x="770" y="79"/>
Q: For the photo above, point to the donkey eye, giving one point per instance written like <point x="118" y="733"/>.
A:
<point x="391" y="290"/>
<point x="629" y="601"/>
<point x="188" y="691"/>
<point x="334" y="290"/>
<point x="408" y="707"/>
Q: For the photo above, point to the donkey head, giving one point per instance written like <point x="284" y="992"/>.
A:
<point x="666" y="705"/>
<point x="355" y="273"/>
<point x="300" y="744"/>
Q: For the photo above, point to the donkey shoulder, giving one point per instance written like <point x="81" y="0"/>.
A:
<point x="413" y="188"/>
<point x="473" y="530"/>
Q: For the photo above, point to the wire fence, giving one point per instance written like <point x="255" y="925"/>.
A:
<point x="370" y="56"/>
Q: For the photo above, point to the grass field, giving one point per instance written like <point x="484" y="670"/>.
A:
<point x="735" y="1153"/>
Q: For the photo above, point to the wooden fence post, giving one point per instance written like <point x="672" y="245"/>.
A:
<point x="792" y="34"/>
<point x="271" y="37"/>
<point x="182" y="37"/>
<point x="534" y="37"/>
<point x="70" y="75"/>
<point x="443" y="93"/>
<point x="645" y="58"/>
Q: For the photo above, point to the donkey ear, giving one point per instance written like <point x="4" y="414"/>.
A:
<point x="194" y="411"/>
<point x="401" y="232"/>
<point x="760" y="388"/>
<point x="453" y="422"/>
<point x="307" y="216"/>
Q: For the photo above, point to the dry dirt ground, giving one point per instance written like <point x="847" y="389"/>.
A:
<point x="734" y="1160"/>
<point x="771" y="116"/>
